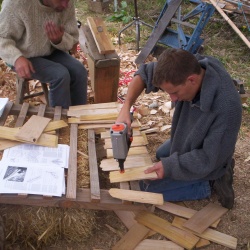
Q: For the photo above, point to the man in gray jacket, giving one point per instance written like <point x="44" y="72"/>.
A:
<point x="205" y="126"/>
<point x="35" y="37"/>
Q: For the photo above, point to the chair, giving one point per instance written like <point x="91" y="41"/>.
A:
<point x="22" y="87"/>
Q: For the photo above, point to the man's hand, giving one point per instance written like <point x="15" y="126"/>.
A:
<point x="24" y="67"/>
<point x="158" y="168"/>
<point x="54" y="32"/>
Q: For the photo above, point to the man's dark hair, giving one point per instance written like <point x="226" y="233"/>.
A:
<point x="175" y="65"/>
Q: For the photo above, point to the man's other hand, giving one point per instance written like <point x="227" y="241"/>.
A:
<point x="54" y="32"/>
<point x="24" y="67"/>
<point x="158" y="168"/>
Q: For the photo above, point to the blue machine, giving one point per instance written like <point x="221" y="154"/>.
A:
<point x="177" y="38"/>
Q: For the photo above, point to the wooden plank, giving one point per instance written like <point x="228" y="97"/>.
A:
<point x="132" y="161"/>
<point x="87" y="43"/>
<point x="132" y="151"/>
<point x="78" y="121"/>
<point x="32" y="129"/>
<point x="106" y="116"/>
<point x="125" y="185"/>
<point x="127" y="217"/>
<point x="210" y="234"/>
<point x="137" y="196"/>
<point x="93" y="111"/>
<point x="204" y="218"/>
<point x="72" y="169"/>
<point x="22" y="115"/>
<point x="179" y="236"/>
<point x="158" y="31"/>
<point x="100" y="34"/>
<point x="41" y="110"/>
<point x="93" y="168"/>
<point x="181" y="211"/>
<point x="46" y="140"/>
<point x="137" y="141"/>
<point x="54" y="125"/>
<point x="202" y="243"/>
<point x="4" y="144"/>
<point x="132" y="238"/>
<point x="106" y="105"/>
<point x="95" y="126"/>
<point x="158" y="245"/>
<point x="132" y="174"/>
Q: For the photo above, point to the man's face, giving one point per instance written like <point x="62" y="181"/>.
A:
<point x="183" y="92"/>
<point x="58" y="5"/>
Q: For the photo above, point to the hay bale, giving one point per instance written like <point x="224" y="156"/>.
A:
<point x="42" y="226"/>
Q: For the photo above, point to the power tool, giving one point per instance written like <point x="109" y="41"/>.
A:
<point x="121" y="142"/>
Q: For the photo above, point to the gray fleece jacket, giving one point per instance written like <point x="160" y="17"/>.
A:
<point x="204" y="133"/>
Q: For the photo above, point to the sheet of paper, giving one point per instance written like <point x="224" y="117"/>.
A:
<point x="31" y="179"/>
<point x="3" y="102"/>
<point x="29" y="154"/>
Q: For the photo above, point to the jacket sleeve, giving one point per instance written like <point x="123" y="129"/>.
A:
<point x="146" y="71"/>
<point x="11" y="30"/>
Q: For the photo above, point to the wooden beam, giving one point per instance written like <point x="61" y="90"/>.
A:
<point x="137" y="196"/>
<point x="82" y="200"/>
<point x="101" y="36"/>
<point x="229" y="21"/>
<point x="204" y="218"/>
<point x="93" y="168"/>
<point x="72" y="169"/>
<point x="179" y="236"/>
<point x="131" y="174"/>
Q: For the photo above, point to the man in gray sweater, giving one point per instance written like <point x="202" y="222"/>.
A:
<point x="205" y="126"/>
<point x="35" y="38"/>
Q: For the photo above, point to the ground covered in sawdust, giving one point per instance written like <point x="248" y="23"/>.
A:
<point x="109" y="229"/>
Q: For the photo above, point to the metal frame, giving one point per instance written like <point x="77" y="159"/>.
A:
<point x="177" y="38"/>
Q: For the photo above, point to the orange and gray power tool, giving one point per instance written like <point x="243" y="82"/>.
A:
<point x="121" y="142"/>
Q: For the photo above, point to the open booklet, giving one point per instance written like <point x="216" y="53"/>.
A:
<point x="33" y="169"/>
<point x="31" y="179"/>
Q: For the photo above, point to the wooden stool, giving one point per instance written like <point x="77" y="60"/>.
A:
<point x="22" y="87"/>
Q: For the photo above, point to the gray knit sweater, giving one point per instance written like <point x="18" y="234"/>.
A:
<point x="22" y="29"/>
<point x="203" y="134"/>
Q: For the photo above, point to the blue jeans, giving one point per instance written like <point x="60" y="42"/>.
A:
<point x="176" y="190"/>
<point x="67" y="78"/>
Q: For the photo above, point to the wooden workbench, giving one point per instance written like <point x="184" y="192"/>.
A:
<point x="88" y="198"/>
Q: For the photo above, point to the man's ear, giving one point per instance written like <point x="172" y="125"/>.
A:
<point x="193" y="79"/>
